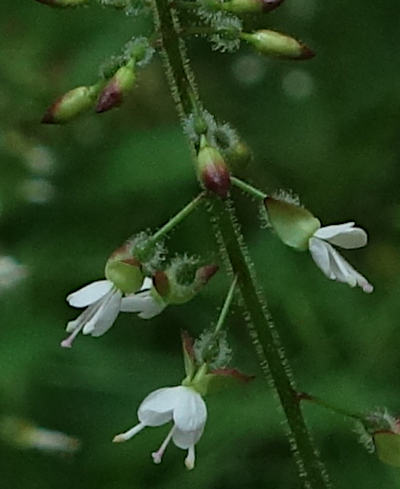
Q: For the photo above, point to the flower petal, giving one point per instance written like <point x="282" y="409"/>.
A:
<point x="106" y="315"/>
<point x="337" y="268"/>
<point x="186" y="439"/>
<point x="320" y="254"/>
<point x="343" y="235"/>
<point x="144" y="303"/>
<point x="190" y="414"/>
<point x="90" y="293"/>
<point x="157" y="408"/>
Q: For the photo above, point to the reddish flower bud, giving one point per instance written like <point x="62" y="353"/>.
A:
<point x="63" y="3"/>
<point x="212" y="170"/>
<point x="70" y="105"/>
<point x="116" y="89"/>
<point x="279" y="45"/>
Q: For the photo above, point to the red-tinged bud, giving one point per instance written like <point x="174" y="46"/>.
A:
<point x="250" y="6"/>
<point x="63" y="3"/>
<point x="212" y="170"/>
<point x="278" y="45"/>
<point x="117" y="87"/>
<point x="70" y="105"/>
<point x="204" y="274"/>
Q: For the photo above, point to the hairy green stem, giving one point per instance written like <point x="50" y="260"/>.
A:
<point x="234" y="253"/>
<point x="179" y="217"/>
<point x="246" y="187"/>
<point x="226" y="306"/>
<point x="302" y="396"/>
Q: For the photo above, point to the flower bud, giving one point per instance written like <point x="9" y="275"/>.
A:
<point x="182" y="280"/>
<point x="387" y="445"/>
<point x="238" y="157"/>
<point x="250" y="6"/>
<point x="117" y="87"/>
<point x="212" y="170"/>
<point x="279" y="45"/>
<point x="70" y="105"/>
<point x="124" y="271"/>
<point x="292" y="223"/>
<point x="63" y="3"/>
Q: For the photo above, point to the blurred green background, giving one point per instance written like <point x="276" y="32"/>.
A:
<point x="327" y="128"/>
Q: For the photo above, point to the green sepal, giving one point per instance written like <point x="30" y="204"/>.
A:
<point x="387" y="446"/>
<point x="126" y="276"/>
<point x="293" y="224"/>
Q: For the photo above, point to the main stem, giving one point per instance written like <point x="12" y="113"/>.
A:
<point x="234" y="253"/>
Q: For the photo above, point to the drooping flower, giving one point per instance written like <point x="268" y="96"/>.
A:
<point x="182" y="405"/>
<point x="332" y="264"/>
<point x="299" y="229"/>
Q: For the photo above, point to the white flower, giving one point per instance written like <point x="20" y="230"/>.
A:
<point x="182" y="405"/>
<point x="333" y="265"/>
<point x="103" y="302"/>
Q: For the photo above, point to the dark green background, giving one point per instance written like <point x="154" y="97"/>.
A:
<point x="336" y="143"/>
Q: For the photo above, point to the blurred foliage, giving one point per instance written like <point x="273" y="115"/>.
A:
<point x="328" y="129"/>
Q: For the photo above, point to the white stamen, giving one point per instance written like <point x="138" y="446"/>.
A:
<point x="67" y="343"/>
<point x="190" y="459"/>
<point x="128" y="434"/>
<point x="157" y="456"/>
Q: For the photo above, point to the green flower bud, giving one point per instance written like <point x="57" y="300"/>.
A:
<point x="182" y="280"/>
<point x="293" y="224"/>
<point x="212" y="170"/>
<point x="238" y="157"/>
<point x="250" y="6"/>
<point x="117" y="87"/>
<point x="387" y="445"/>
<point x="70" y="105"/>
<point x="279" y="45"/>
<point x="63" y="3"/>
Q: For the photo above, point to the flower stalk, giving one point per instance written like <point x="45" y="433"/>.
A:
<point x="234" y="253"/>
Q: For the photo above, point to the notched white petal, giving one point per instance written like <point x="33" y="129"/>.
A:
<point x="108" y="314"/>
<point x="336" y="268"/>
<point x="89" y="294"/>
<point x="157" y="408"/>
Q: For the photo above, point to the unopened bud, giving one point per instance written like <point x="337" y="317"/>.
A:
<point x="250" y="6"/>
<point x="70" y="105"/>
<point x="279" y="45"/>
<point x="292" y="223"/>
<point x="238" y="157"/>
<point x="212" y="170"/>
<point x="117" y="87"/>
<point x="63" y="3"/>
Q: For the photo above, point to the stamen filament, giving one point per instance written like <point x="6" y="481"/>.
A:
<point x="128" y="434"/>
<point x="157" y="456"/>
